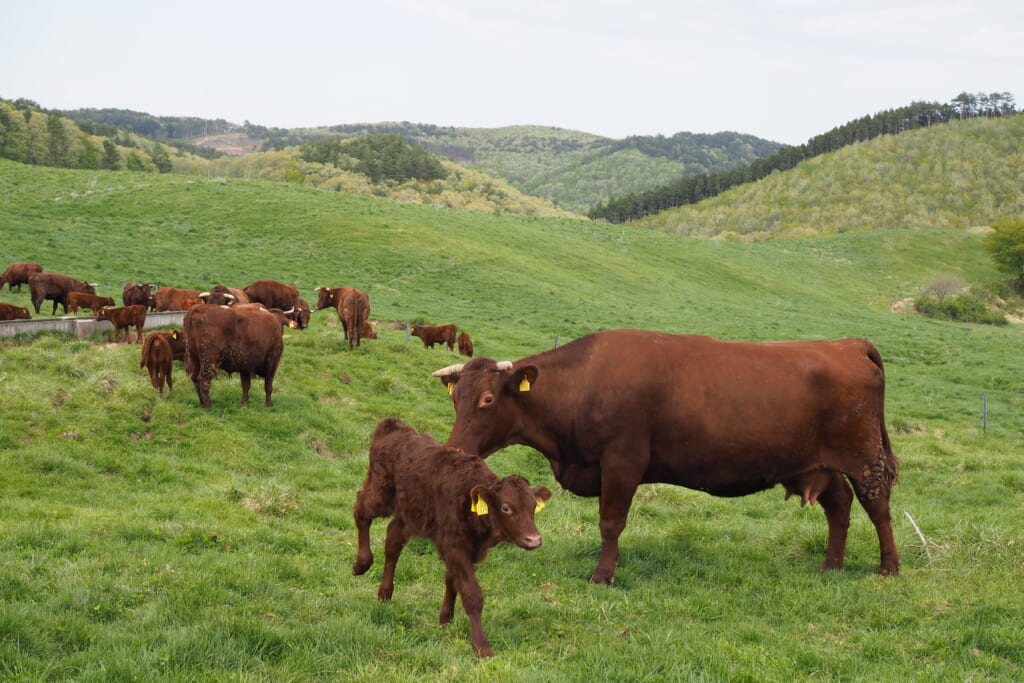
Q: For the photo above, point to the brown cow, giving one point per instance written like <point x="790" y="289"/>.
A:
<point x="12" y="312"/>
<point x="368" y="332"/>
<point x="159" y="351"/>
<point x="175" y="298"/>
<point x="327" y="297"/>
<point x="124" y="318"/>
<point x="56" y="288"/>
<point x="19" y="274"/>
<point x="220" y="295"/>
<point x="438" y="334"/>
<point x="248" y="342"/>
<point x="93" y="302"/>
<point x="134" y="294"/>
<point x="451" y="498"/>
<point x="353" y="312"/>
<point x="465" y="345"/>
<point x="619" y="408"/>
<point x="272" y="294"/>
<point x="301" y="313"/>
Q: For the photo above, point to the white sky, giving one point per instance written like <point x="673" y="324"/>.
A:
<point x="784" y="70"/>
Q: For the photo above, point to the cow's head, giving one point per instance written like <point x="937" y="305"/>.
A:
<point x="510" y="505"/>
<point x="488" y="398"/>
<point x="326" y="297"/>
<point x="218" y="296"/>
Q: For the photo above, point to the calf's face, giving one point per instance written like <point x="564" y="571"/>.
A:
<point x="512" y="504"/>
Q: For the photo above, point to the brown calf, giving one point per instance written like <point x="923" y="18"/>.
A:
<point x="439" y="334"/>
<point x="12" y="312"/>
<point x="93" y="302"/>
<point x="123" y="318"/>
<point x="159" y="351"/>
<point x="465" y="345"/>
<point x="449" y="497"/>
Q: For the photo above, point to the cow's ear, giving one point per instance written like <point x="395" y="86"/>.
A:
<point x="542" y="494"/>
<point x="448" y="381"/>
<point x="477" y="498"/>
<point x="522" y="379"/>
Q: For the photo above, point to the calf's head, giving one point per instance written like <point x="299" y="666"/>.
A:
<point x="488" y="398"/>
<point x="510" y="505"/>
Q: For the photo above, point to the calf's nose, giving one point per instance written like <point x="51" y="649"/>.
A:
<point x="531" y="541"/>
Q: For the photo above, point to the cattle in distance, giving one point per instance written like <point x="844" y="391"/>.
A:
<point x="125" y="318"/>
<point x="465" y="345"/>
<point x="12" y="312"/>
<point x="435" y="334"/>
<point x="93" y="302"/>
<point x="19" y="274"/>
<point x="453" y="499"/>
<point x="619" y="408"/>
<point x="272" y="294"/>
<point x="138" y="294"/>
<point x="55" y="287"/>
<point x="159" y="351"/>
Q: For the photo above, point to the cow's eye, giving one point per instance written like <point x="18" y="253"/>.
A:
<point x="506" y="509"/>
<point x="487" y="399"/>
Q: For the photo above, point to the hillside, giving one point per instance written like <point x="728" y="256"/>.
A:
<point x="959" y="175"/>
<point x="145" y="538"/>
<point x="574" y="169"/>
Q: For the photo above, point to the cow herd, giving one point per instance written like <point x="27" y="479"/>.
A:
<point x="610" y="411"/>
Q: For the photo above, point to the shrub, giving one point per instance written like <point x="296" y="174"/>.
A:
<point x="961" y="307"/>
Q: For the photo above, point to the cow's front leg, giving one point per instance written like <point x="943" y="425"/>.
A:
<point x="617" y="490"/>
<point x="464" y="582"/>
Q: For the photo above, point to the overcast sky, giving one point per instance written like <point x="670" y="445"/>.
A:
<point x="786" y="70"/>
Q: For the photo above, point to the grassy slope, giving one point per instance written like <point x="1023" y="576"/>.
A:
<point x="145" y="537"/>
<point x="958" y="175"/>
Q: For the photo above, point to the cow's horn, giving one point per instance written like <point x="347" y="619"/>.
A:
<point x="504" y="365"/>
<point x="203" y="295"/>
<point x="229" y="296"/>
<point x="317" y="289"/>
<point x="449" y="371"/>
<point x="290" y="310"/>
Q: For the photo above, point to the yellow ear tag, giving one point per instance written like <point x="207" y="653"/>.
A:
<point x="524" y="385"/>
<point x="451" y="388"/>
<point x="540" y="506"/>
<point x="479" y="506"/>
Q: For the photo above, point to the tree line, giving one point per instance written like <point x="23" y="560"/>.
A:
<point x="695" y="188"/>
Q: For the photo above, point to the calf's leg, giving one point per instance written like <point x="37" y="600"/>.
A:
<point x="460" y="578"/>
<point x="393" y="544"/>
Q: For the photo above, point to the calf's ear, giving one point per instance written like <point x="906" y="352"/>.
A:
<point x="542" y="494"/>
<point x="478" y="502"/>
<point x="522" y="379"/>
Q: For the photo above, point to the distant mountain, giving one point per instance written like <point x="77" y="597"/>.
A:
<point x="574" y="169"/>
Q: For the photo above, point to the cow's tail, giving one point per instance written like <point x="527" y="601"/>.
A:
<point x="890" y="464"/>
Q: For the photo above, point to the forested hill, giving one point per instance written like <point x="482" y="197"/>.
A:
<point x="962" y="175"/>
<point x="695" y="188"/>
<point x="574" y="169"/>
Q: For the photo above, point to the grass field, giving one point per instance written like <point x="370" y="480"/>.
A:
<point x="147" y="539"/>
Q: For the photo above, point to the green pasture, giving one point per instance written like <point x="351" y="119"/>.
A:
<point x="143" y="538"/>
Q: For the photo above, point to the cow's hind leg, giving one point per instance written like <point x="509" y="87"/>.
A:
<point x="393" y="544"/>
<point x="876" y="503"/>
<point x="836" y="500"/>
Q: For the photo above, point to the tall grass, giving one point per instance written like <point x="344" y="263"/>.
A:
<point x="145" y="538"/>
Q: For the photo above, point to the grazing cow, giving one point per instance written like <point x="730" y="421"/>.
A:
<point x="19" y="274"/>
<point x="219" y="295"/>
<point x="451" y="498"/>
<point x="619" y="408"/>
<point x="465" y="345"/>
<point x="272" y="294"/>
<point x="159" y="351"/>
<point x="301" y="313"/>
<point x="248" y="342"/>
<point x="12" y="312"/>
<point x="93" y="302"/>
<point x="56" y="288"/>
<point x="124" y="318"/>
<point x="175" y="298"/>
<point x="438" y="334"/>
<point x="137" y="294"/>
